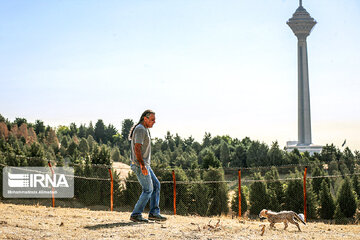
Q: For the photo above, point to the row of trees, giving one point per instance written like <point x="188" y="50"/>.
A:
<point x="172" y="151"/>
<point x="32" y="144"/>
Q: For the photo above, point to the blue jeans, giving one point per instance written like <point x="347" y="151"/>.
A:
<point x="150" y="190"/>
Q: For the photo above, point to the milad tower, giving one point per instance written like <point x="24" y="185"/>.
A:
<point x="301" y="24"/>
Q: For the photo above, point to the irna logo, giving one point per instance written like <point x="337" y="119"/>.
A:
<point x="36" y="180"/>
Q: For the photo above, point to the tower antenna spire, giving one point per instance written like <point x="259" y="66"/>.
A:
<point x="300" y="3"/>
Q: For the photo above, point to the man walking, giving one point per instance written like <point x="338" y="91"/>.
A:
<point x="140" y="164"/>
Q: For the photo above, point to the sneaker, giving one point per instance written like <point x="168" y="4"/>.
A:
<point x="157" y="217"/>
<point x="138" y="218"/>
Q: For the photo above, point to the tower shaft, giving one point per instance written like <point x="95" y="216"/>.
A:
<point x="304" y="117"/>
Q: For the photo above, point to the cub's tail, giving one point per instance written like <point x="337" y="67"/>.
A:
<point x="299" y="217"/>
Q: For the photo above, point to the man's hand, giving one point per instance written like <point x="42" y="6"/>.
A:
<point x="144" y="170"/>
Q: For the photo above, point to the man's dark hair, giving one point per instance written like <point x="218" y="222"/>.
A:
<point x="147" y="114"/>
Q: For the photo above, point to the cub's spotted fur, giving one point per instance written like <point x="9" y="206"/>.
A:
<point x="284" y="216"/>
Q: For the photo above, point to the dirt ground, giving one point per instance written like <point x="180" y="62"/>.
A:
<point x="40" y="222"/>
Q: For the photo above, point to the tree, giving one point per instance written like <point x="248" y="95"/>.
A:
<point x="224" y="153"/>
<point x="14" y="131"/>
<point x="39" y="127"/>
<point x="294" y="194"/>
<point x="4" y="132"/>
<point x="101" y="155"/>
<point x="90" y="130"/>
<point x="275" y="189"/>
<point x="73" y="130"/>
<point x="346" y="199"/>
<point x="117" y="140"/>
<point x="349" y="159"/>
<point x="239" y="156"/>
<point x="178" y="141"/>
<point x="100" y="131"/>
<point x="164" y="146"/>
<point x="83" y="146"/>
<point x="293" y="157"/>
<point x="82" y="131"/>
<point x="64" y="142"/>
<point x="339" y="216"/>
<point x="311" y="203"/>
<point x="215" y="140"/>
<point x="329" y="153"/>
<point x="246" y="142"/>
<point x="31" y="136"/>
<point x="217" y="192"/>
<point x="91" y="142"/>
<point x="2" y="119"/>
<point x="19" y="121"/>
<point x="110" y="131"/>
<point x="327" y="204"/>
<point x="36" y="154"/>
<point x="189" y="141"/>
<point x="257" y="154"/>
<point x="235" y="202"/>
<point x="356" y="185"/>
<point x="182" y="190"/>
<point x="73" y="147"/>
<point x="170" y="141"/>
<point x="343" y="168"/>
<point x="357" y="156"/>
<point x="196" y="146"/>
<point x="115" y="156"/>
<point x="333" y="167"/>
<point x="51" y="138"/>
<point x="63" y="131"/>
<point x="206" y="140"/>
<point x="316" y="182"/>
<point x="75" y="140"/>
<point x="259" y="198"/>
<point x="209" y="160"/>
<point x="199" y="202"/>
<point x="126" y="127"/>
<point x="275" y="155"/>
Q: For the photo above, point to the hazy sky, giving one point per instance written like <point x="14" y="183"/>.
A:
<point x="228" y="67"/>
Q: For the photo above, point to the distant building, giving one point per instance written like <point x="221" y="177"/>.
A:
<point x="301" y="24"/>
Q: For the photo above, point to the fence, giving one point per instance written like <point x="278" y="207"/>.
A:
<point x="202" y="192"/>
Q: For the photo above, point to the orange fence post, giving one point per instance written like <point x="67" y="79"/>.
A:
<point x="111" y="190"/>
<point x="305" y="213"/>
<point x="52" y="189"/>
<point x="239" y="175"/>
<point x="174" y="181"/>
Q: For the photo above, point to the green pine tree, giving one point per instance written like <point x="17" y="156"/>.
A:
<point x="327" y="204"/>
<point x="259" y="198"/>
<point x="339" y="216"/>
<point x="356" y="185"/>
<point x="346" y="199"/>
<point x="217" y="192"/>
<point x="294" y="195"/>
<point x="235" y="202"/>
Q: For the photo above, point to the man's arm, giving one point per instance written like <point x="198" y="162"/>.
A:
<point x="140" y="159"/>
